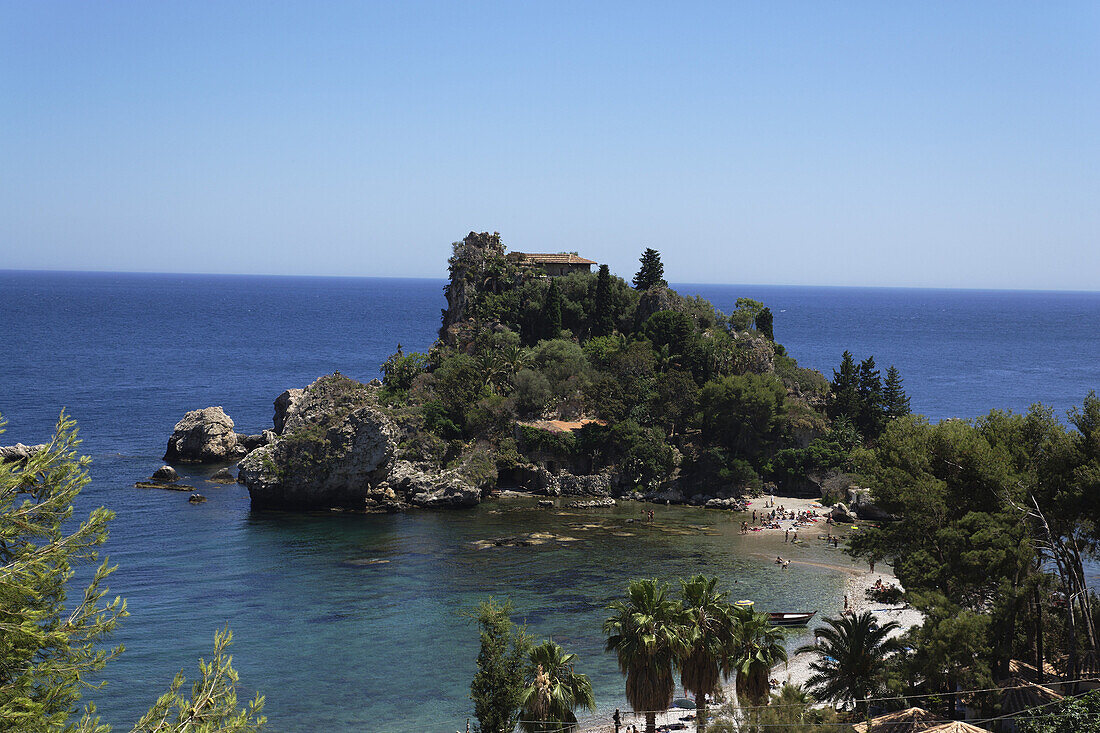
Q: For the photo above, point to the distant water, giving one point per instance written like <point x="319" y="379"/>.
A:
<point x="339" y="644"/>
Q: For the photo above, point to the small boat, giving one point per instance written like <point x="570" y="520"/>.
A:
<point x="800" y="618"/>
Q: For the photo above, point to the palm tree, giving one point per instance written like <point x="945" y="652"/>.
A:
<point x="552" y="691"/>
<point x="759" y="647"/>
<point x="850" y="650"/>
<point x="709" y="636"/>
<point x="646" y="634"/>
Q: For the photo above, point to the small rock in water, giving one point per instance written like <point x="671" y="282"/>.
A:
<point x="196" y="499"/>
<point x="163" y="485"/>
<point x="593" y="503"/>
<point x="165" y="474"/>
<point x="546" y="502"/>
<point x="223" y="476"/>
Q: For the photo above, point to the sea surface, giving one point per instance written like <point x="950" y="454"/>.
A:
<point x="356" y="623"/>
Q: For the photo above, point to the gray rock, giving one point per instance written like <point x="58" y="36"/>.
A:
<point x="284" y="404"/>
<point x="546" y="503"/>
<point x="163" y="485"/>
<point x="607" y="501"/>
<point x="427" y="488"/>
<point x="203" y="436"/>
<point x="223" y="476"/>
<point x="19" y="453"/>
<point x="597" y="484"/>
<point x="840" y="513"/>
<point x="196" y="499"/>
<point x="252" y="442"/>
<point x="717" y="503"/>
<point x="335" y="450"/>
<point x="165" y="474"/>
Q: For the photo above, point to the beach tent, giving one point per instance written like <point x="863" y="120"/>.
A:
<point x="900" y="721"/>
<point x="956" y="726"/>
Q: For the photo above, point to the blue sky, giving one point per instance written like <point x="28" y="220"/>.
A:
<point x="923" y="144"/>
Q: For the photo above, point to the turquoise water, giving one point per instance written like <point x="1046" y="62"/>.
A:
<point x="339" y="643"/>
<point x="351" y="622"/>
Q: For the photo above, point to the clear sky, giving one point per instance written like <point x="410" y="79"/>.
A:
<point x="951" y="144"/>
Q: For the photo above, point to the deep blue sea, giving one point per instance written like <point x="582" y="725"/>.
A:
<point x="339" y="645"/>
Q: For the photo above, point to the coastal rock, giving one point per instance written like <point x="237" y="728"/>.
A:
<point x="285" y="404"/>
<point x="607" y="501"/>
<point x="165" y="474"/>
<point x="426" y="488"/>
<point x="335" y="449"/>
<point x="546" y="503"/>
<point x="665" y="496"/>
<point x="163" y="485"/>
<point x="840" y="513"/>
<point x="196" y="499"/>
<point x="223" y="476"/>
<point x="252" y="442"/>
<point x="717" y="503"/>
<point x="19" y="453"/>
<point x="203" y="436"/>
<point x="597" y="484"/>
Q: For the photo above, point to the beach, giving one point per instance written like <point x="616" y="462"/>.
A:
<point x="797" y="669"/>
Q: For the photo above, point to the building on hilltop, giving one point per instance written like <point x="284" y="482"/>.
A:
<point x="555" y="265"/>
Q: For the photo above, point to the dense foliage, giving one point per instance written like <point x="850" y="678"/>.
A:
<point x="51" y="645"/>
<point x="676" y="394"/>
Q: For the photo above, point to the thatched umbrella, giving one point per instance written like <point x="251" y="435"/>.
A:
<point x="956" y="726"/>
<point x="909" y="720"/>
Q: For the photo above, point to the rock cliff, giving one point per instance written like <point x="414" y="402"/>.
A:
<point x="204" y="436"/>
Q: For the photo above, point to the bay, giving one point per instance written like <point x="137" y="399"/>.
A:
<point x="355" y="623"/>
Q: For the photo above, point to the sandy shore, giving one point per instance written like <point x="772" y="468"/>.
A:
<point x="859" y="581"/>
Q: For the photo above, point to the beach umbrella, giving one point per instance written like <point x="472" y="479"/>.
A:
<point x="956" y="726"/>
<point x="900" y="721"/>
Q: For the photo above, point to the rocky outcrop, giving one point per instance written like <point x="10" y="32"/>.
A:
<point x="335" y="450"/>
<point x="597" y="484"/>
<point x="840" y="513"/>
<point x="427" y="488"/>
<point x="223" y="476"/>
<point x="19" y="453"/>
<point x="167" y="485"/>
<point x="252" y="442"/>
<point x="204" y="436"/>
<point x="286" y="404"/>
<point x="196" y="499"/>
<point x="165" y="474"/>
<point x="607" y="501"/>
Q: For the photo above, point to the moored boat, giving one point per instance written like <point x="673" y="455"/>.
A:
<point x="798" y="618"/>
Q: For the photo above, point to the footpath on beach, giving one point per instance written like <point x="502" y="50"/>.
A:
<point x="797" y="669"/>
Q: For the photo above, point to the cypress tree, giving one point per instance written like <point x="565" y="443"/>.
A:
<point x="845" y="389"/>
<point x="894" y="399"/>
<point x="872" y="414"/>
<point x="652" y="272"/>
<point x="764" y="323"/>
<point x="603" y="319"/>
<point x="551" y="312"/>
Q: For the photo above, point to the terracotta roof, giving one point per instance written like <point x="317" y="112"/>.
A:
<point x="551" y="259"/>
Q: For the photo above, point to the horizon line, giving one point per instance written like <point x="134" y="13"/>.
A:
<point x="674" y="285"/>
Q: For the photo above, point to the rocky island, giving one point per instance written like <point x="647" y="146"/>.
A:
<point x="554" y="379"/>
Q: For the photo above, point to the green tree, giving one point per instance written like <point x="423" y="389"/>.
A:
<point x="646" y="633"/>
<point x="652" y="272"/>
<point x="872" y="414"/>
<point x="849" y="655"/>
<point x="400" y="369"/>
<point x="741" y="412"/>
<point x="845" y="390"/>
<point x="51" y="649"/>
<point x="745" y="313"/>
<point x="765" y="323"/>
<point x="497" y="688"/>
<point x="709" y="634"/>
<point x="603" y="315"/>
<point x="1072" y="715"/>
<point x="551" y="311"/>
<point x="894" y="398"/>
<point x="758" y="646"/>
<point x="553" y="690"/>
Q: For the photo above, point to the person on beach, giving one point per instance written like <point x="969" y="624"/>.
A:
<point x="778" y="560"/>
<point x="786" y="535"/>
<point x="786" y="564"/>
<point x="754" y="516"/>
